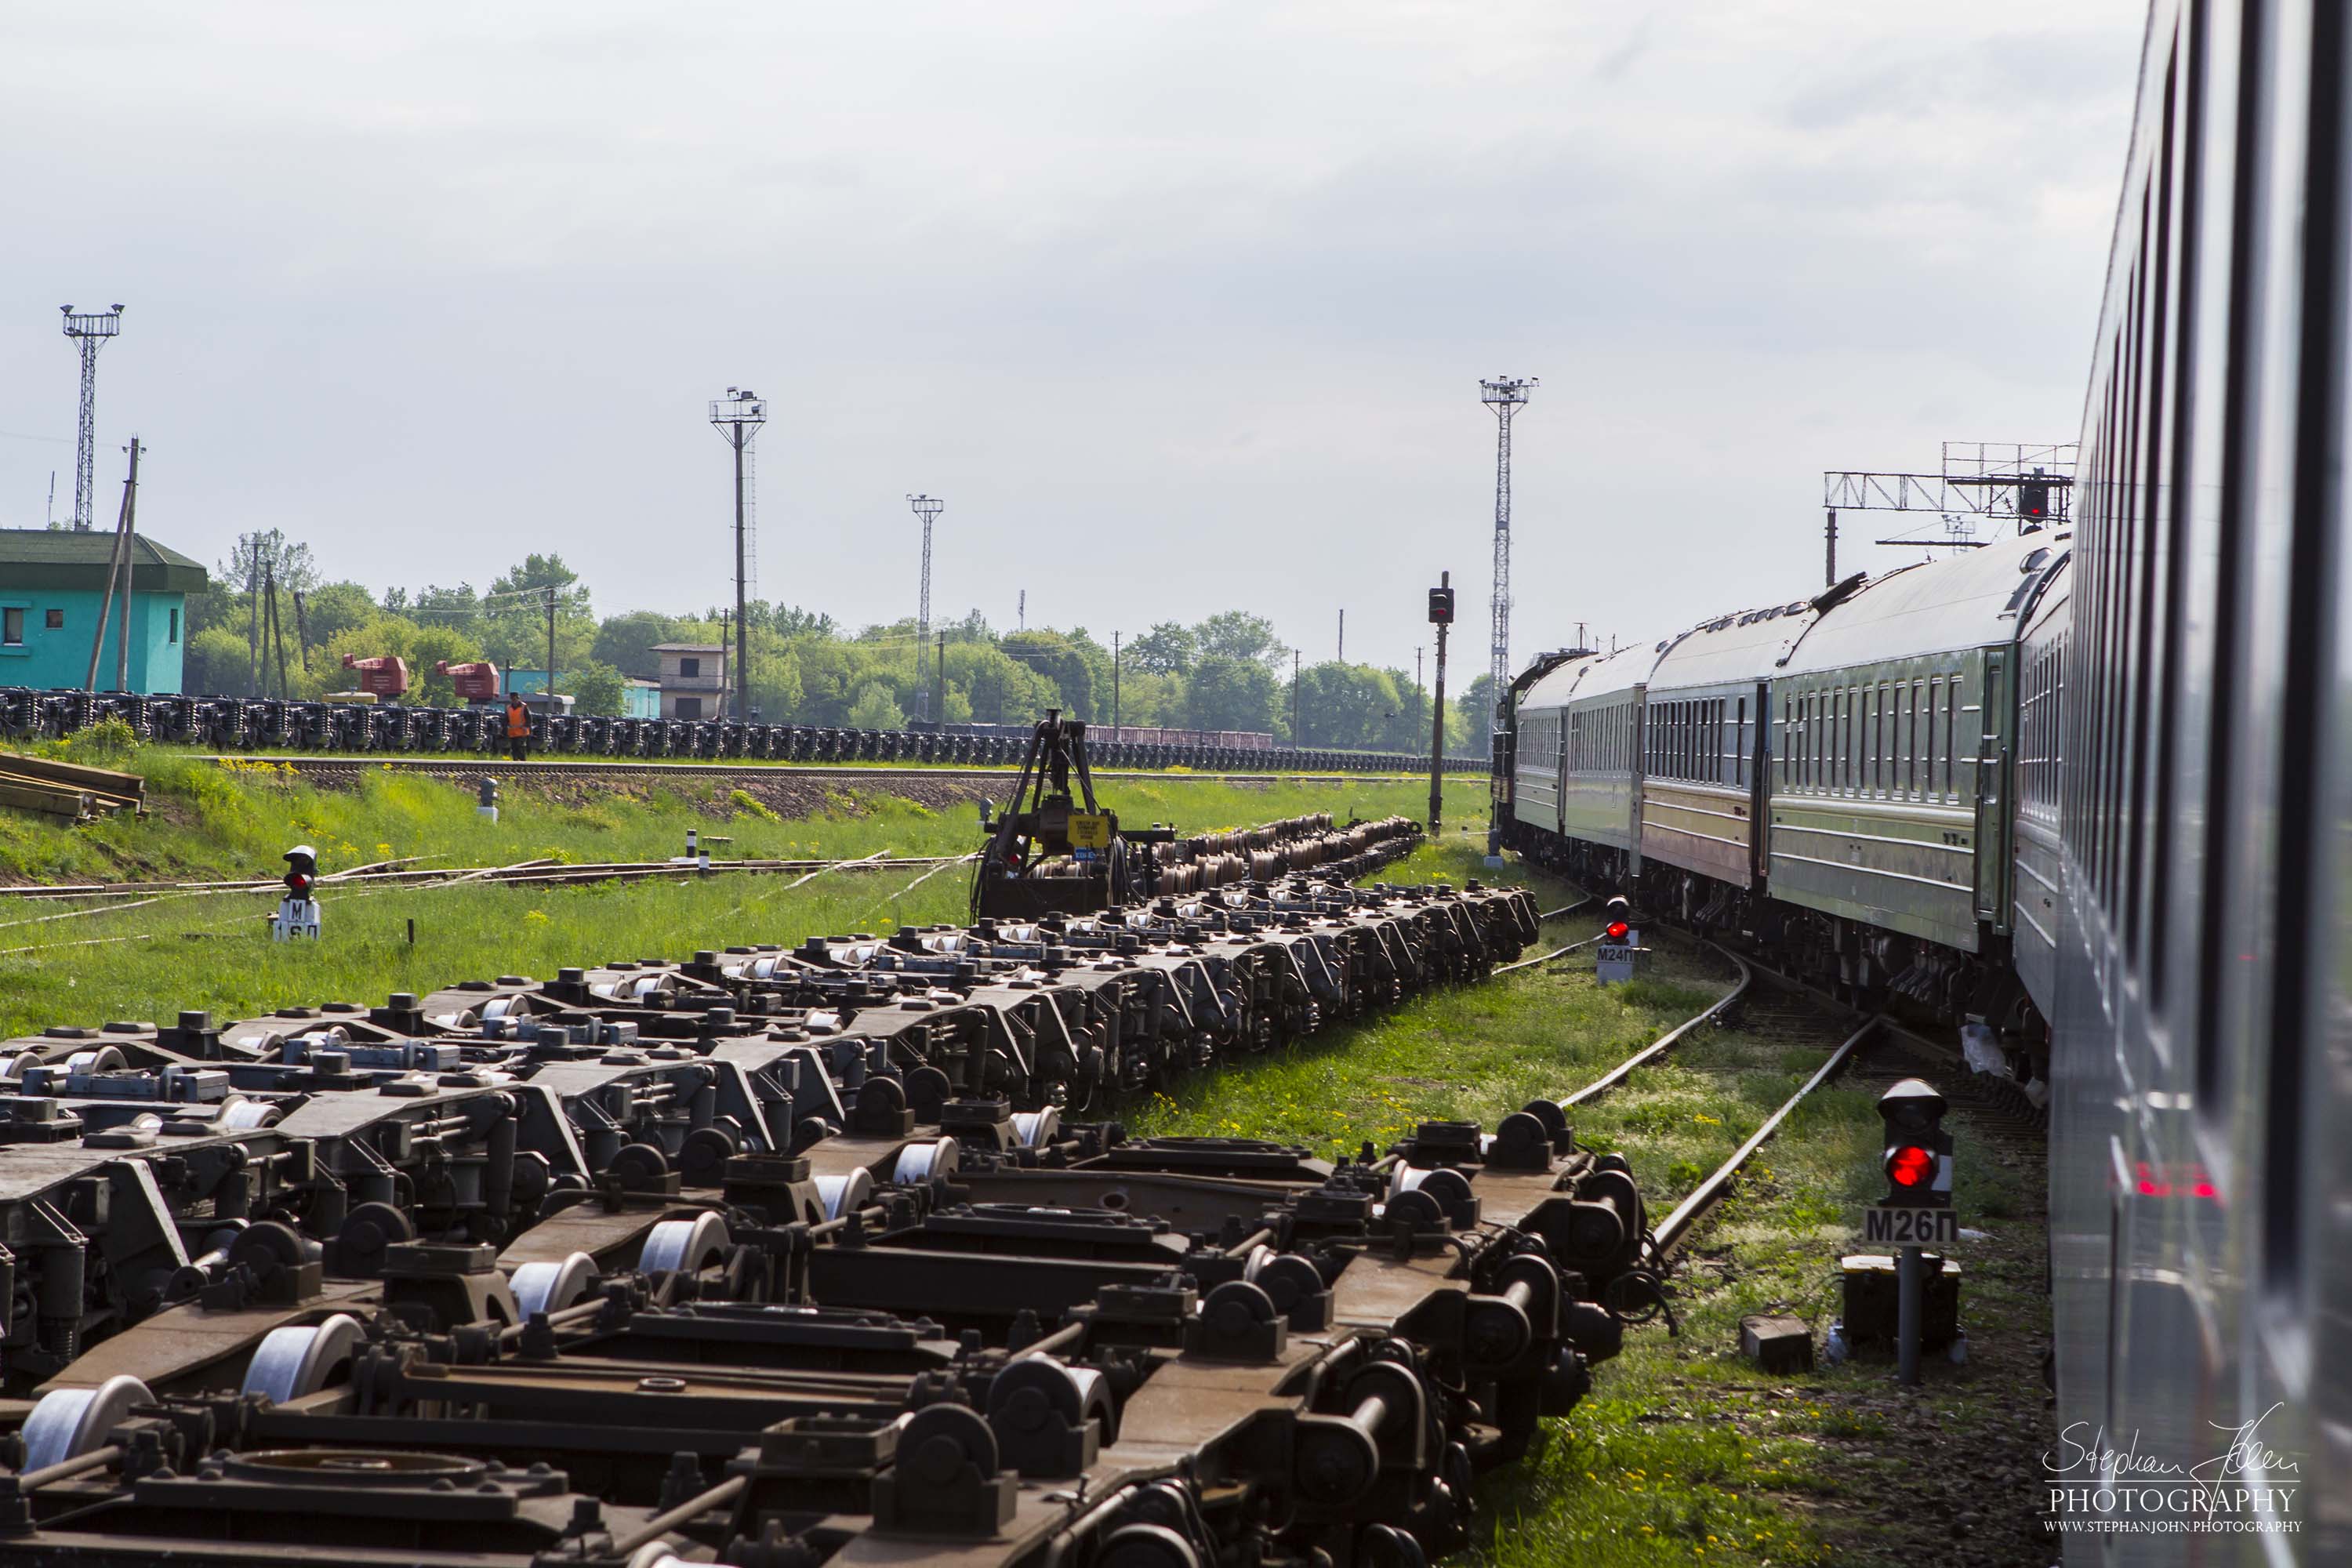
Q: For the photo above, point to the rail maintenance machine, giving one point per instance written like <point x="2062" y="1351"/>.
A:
<point x="1049" y="853"/>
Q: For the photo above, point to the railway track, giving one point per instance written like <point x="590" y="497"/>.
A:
<point x="475" y="767"/>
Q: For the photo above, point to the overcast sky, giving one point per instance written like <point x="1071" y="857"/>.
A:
<point x="1180" y="306"/>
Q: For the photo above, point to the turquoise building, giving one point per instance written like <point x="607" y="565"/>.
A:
<point x="52" y="584"/>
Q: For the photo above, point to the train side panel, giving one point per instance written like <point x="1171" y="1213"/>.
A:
<point x="1600" y="790"/>
<point x="1697" y="780"/>
<point x="1875" y="794"/>
<point x="2038" y="857"/>
<point x="1538" y="753"/>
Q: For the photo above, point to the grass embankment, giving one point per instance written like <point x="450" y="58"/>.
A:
<point x="214" y="951"/>
<point x="1685" y="1453"/>
<point x="236" y="818"/>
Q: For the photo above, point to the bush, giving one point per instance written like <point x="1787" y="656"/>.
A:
<point x="108" y="743"/>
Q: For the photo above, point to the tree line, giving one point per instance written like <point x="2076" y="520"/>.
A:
<point x="1230" y="671"/>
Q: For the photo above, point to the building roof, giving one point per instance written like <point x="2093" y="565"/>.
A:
<point x="62" y="558"/>
<point x="689" y="648"/>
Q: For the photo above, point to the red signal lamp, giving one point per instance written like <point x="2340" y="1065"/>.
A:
<point x="1619" y="931"/>
<point x="1909" y="1165"/>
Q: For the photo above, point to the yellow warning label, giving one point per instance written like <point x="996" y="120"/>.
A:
<point x="1090" y="830"/>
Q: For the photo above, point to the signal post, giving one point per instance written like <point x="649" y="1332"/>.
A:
<point x="1916" y="1212"/>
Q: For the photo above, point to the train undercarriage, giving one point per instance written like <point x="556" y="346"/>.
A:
<point x="1865" y="966"/>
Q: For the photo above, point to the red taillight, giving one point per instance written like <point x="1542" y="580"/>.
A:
<point x="1617" y="931"/>
<point x="1910" y="1166"/>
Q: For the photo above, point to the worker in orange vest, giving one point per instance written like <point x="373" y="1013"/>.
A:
<point x="518" y="727"/>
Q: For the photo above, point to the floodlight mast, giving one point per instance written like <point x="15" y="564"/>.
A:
<point x="737" y="417"/>
<point x="90" y="331"/>
<point x="928" y="508"/>
<point x="1505" y="396"/>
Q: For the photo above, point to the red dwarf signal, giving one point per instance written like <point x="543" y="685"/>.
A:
<point x="1908" y="1166"/>
<point x="1618" y="930"/>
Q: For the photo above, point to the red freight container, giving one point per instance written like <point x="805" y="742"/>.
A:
<point x="475" y="682"/>
<point x="386" y="676"/>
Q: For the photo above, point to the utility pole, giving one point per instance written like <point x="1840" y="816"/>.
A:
<point x="943" y="673"/>
<point x="302" y="633"/>
<point x="1829" y="572"/>
<point x="1296" y="738"/>
<point x="1417" y="683"/>
<point x="737" y="417"/>
<point x="1341" y="656"/>
<point x="90" y="331"/>
<point x="551" y="650"/>
<point x="277" y="636"/>
<point x="928" y="508"/>
<point x="1113" y="686"/>
<point x="1505" y="396"/>
<point x="1441" y="615"/>
<point x="130" y="541"/>
<point x="252" y="593"/>
<point x="1023" y="612"/>
<point x="116" y="568"/>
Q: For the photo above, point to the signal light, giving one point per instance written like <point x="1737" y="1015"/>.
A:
<point x="1917" y="1151"/>
<point x="1617" y="931"/>
<point x="2033" y="498"/>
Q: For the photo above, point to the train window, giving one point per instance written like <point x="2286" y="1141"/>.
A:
<point x="1951" y="737"/>
<point x="1888" y="696"/>
<point x="1875" y="737"/>
<point x="1833" y="765"/>
<point x="1740" y="746"/>
<point x="1825" y="758"/>
<point x="1898" y="781"/>
<point x="1853" y="729"/>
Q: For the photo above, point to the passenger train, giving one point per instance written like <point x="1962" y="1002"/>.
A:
<point x="2091" y="786"/>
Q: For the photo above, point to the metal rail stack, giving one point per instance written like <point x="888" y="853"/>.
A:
<point x="784" y="1257"/>
<point x="244" y="725"/>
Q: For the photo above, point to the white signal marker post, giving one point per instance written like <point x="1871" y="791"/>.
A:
<point x="297" y="911"/>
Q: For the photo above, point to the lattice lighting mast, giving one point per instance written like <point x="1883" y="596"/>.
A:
<point x="926" y="508"/>
<point x="90" y="331"/>
<point x="737" y="417"/>
<point x="1505" y="396"/>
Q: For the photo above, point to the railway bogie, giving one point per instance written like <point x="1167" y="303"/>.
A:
<point x="236" y="723"/>
<point x="788" y="1255"/>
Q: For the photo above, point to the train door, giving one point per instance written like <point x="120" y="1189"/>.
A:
<point x="1995" y="756"/>
<point x="1757" y="752"/>
<point x="1564" y="753"/>
<point x="1635" y="775"/>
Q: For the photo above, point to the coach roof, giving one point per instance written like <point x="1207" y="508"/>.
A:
<point x="1971" y="600"/>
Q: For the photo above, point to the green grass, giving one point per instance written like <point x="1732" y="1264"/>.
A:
<point x="1685" y="1453"/>
<point x="213" y="953"/>
<point x="236" y="818"/>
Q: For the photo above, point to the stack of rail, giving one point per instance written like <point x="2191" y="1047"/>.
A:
<point x="790" y="1255"/>
<point x="69" y="791"/>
